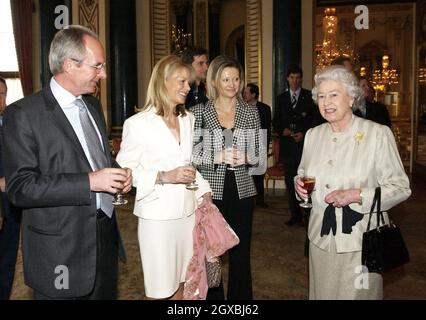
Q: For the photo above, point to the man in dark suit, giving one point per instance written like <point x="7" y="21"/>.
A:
<point x="59" y="170"/>
<point x="197" y="58"/>
<point x="10" y="220"/>
<point x="372" y="110"/>
<point x="251" y="96"/>
<point x="294" y="115"/>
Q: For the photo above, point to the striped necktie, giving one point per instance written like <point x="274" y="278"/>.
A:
<point x="96" y="152"/>
<point x="293" y="100"/>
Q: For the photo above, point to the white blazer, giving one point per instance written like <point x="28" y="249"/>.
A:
<point x="148" y="147"/>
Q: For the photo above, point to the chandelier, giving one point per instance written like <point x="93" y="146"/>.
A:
<point x="180" y="40"/>
<point x="384" y="76"/>
<point x="329" y="50"/>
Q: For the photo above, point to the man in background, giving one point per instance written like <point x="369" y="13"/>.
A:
<point x="251" y="96"/>
<point x="294" y="115"/>
<point x="371" y="109"/>
<point x="197" y="57"/>
<point x="10" y="219"/>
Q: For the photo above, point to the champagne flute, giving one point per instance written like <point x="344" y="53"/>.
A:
<point x="308" y="185"/>
<point x="192" y="185"/>
<point x="292" y="128"/>
<point x="119" y="199"/>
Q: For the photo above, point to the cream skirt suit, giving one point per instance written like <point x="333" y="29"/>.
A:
<point x="364" y="156"/>
<point x="166" y="212"/>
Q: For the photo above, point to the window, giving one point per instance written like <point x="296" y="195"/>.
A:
<point x="8" y="61"/>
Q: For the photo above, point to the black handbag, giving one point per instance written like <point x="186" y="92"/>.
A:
<point x="383" y="248"/>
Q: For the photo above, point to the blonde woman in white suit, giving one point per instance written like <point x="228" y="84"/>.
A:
<point x="157" y="145"/>
<point x="349" y="157"/>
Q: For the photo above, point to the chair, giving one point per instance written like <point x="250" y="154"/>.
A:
<point x="276" y="171"/>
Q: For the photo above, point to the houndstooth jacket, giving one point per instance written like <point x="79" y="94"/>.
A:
<point x="209" y="140"/>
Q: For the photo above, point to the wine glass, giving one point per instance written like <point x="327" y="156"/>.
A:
<point x="192" y="185"/>
<point x="292" y="128"/>
<point x="119" y="199"/>
<point x="308" y="185"/>
<point x="233" y="167"/>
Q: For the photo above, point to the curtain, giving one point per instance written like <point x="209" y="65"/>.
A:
<point x="22" y="27"/>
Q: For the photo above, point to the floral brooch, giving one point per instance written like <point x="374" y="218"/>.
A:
<point x="358" y="137"/>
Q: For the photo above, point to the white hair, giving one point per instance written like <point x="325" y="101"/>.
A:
<point x="341" y="75"/>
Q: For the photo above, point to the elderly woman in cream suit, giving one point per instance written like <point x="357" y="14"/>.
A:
<point x="157" y="145"/>
<point x="349" y="157"/>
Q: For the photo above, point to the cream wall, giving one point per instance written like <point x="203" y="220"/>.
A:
<point x="267" y="52"/>
<point x="144" y="58"/>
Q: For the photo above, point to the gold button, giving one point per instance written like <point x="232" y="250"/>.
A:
<point x="330" y="162"/>
<point x="327" y="186"/>
<point x="334" y="139"/>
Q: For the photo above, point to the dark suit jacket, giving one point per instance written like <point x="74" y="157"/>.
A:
<point x="193" y="99"/>
<point x="302" y="116"/>
<point x="5" y="207"/>
<point x="376" y="112"/>
<point x="4" y="202"/>
<point x="47" y="175"/>
<point x="265" y="118"/>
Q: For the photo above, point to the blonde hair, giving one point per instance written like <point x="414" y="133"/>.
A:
<point x="347" y="78"/>
<point x="157" y="95"/>
<point x="215" y="72"/>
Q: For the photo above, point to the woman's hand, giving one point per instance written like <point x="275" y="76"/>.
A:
<point x="341" y="198"/>
<point x="235" y="157"/>
<point x="299" y="187"/>
<point x="180" y="175"/>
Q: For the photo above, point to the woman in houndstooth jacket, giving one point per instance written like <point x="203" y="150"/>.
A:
<point x="226" y="149"/>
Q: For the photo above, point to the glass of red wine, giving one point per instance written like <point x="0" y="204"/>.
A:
<point x="308" y="185"/>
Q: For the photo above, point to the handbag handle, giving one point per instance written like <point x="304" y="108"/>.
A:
<point x="377" y="200"/>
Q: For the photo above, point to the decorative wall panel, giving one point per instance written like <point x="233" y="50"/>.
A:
<point x="254" y="42"/>
<point x="93" y="14"/>
<point x="160" y="17"/>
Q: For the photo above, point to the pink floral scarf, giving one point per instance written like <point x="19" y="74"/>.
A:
<point x="212" y="237"/>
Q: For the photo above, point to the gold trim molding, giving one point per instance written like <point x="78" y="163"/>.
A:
<point x="254" y="42"/>
<point x="160" y="17"/>
<point x="92" y="14"/>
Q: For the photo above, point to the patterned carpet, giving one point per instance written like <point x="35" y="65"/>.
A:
<point x="280" y="270"/>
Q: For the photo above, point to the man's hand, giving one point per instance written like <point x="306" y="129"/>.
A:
<point x="298" y="136"/>
<point x="129" y="182"/>
<point x="3" y="184"/>
<point x="287" y="132"/>
<point x="111" y="180"/>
